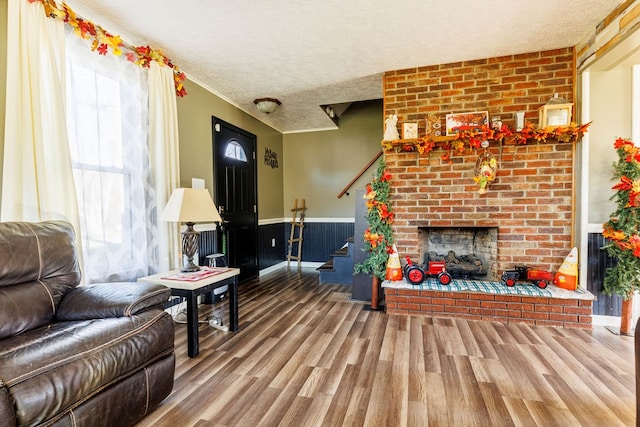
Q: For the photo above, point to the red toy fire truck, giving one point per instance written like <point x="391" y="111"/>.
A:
<point x="540" y="278"/>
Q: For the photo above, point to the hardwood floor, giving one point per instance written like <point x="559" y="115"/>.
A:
<point x="305" y="356"/>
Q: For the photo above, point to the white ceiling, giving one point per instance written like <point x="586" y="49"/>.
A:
<point x="308" y="53"/>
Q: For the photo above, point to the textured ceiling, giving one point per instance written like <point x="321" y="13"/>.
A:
<point x="309" y="53"/>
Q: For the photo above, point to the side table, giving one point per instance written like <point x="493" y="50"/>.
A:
<point x="190" y="290"/>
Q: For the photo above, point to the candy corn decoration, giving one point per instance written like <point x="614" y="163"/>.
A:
<point x="394" y="269"/>
<point x="567" y="275"/>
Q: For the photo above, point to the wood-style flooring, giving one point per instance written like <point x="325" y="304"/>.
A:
<point x="307" y="356"/>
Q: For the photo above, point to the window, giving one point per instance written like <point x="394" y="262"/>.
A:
<point x="235" y="151"/>
<point x="107" y="125"/>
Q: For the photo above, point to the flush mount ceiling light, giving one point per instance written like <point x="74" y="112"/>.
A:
<point x="267" y="105"/>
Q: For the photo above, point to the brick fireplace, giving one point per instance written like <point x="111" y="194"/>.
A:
<point x="529" y="205"/>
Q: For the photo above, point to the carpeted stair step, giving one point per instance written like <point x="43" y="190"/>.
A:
<point x="327" y="266"/>
<point x="339" y="269"/>
<point x="343" y="251"/>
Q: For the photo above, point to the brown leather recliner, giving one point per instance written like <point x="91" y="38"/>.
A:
<point x="99" y="355"/>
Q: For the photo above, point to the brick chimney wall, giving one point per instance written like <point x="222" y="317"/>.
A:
<point x="531" y="199"/>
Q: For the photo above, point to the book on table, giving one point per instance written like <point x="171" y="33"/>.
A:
<point x="194" y="276"/>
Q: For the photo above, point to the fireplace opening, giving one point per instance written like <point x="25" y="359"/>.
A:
<point x="466" y="266"/>
<point x="469" y="252"/>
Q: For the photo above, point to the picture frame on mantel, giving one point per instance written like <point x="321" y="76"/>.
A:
<point x="469" y="121"/>
<point x="554" y="115"/>
<point x="433" y="126"/>
<point x="409" y="130"/>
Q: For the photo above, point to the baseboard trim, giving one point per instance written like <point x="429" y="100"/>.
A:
<point x="294" y="264"/>
<point x="599" y="320"/>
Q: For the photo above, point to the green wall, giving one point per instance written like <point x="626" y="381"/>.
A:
<point x="196" y="142"/>
<point x="318" y="165"/>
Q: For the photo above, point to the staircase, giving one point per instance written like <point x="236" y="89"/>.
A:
<point x="339" y="269"/>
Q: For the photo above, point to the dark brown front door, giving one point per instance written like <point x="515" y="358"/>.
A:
<point x="235" y="183"/>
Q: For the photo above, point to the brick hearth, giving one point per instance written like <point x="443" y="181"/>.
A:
<point x="530" y="202"/>
<point x="543" y="311"/>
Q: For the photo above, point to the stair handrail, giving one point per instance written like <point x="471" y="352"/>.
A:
<point x="359" y="174"/>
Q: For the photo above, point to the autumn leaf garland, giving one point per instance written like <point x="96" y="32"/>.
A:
<point x="104" y="42"/>
<point x="472" y="139"/>
<point x="378" y="237"/>
<point x="622" y="231"/>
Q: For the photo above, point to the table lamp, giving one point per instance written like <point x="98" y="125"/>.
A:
<point x="189" y="206"/>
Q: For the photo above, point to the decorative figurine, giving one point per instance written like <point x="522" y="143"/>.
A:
<point x="486" y="169"/>
<point x="391" y="128"/>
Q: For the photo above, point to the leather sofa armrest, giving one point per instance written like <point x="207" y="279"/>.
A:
<point x="111" y="300"/>
<point x="7" y="413"/>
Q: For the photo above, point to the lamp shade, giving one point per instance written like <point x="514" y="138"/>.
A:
<point x="190" y="205"/>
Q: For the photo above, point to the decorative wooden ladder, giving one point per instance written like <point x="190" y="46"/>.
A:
<point x="297" y="223"/>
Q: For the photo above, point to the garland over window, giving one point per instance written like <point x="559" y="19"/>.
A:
<point x="622" y="231"/>
<point x="103" y="41"/>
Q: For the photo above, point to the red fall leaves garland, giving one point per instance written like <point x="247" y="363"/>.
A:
<point x="622" y="231"/>
<point x="103" y="41"/>
<point x="378" y="235"/>
<point x="465" y="140"/>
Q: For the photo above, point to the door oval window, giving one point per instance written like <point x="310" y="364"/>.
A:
<point x="235" y="151"/>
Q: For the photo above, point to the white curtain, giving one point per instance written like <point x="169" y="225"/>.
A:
<point x="107" y="99"/>
<point x="101" y="160"/>
<point x="37" y="181"/>
<point x="165" y="162"/>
